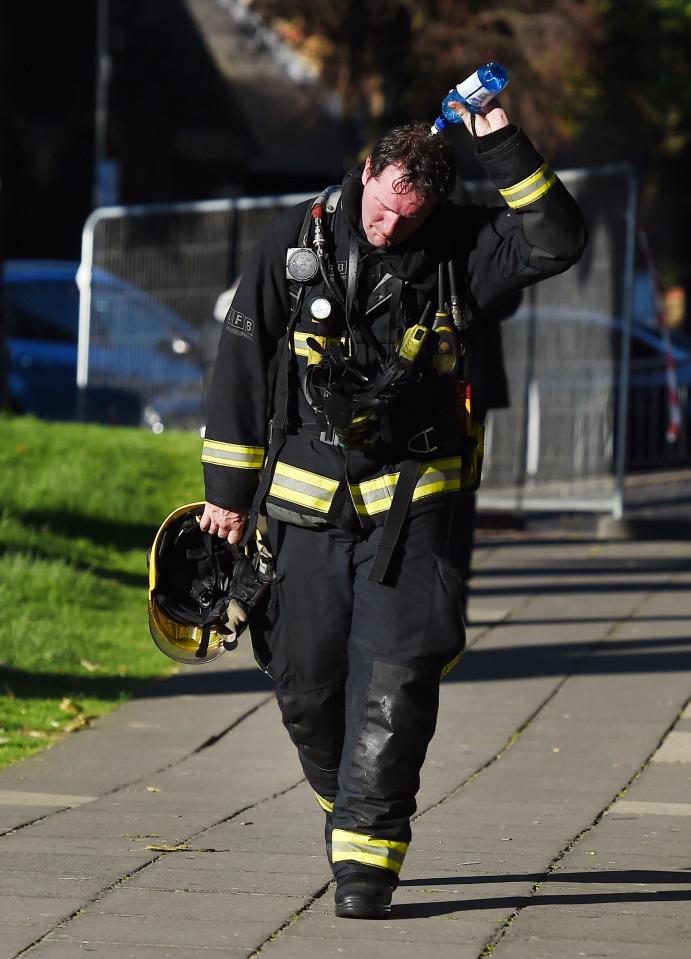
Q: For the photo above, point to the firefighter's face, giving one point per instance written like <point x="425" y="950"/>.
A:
<point x="389" y="217"/>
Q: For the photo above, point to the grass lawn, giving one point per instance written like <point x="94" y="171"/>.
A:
<point x="79" y="505"/>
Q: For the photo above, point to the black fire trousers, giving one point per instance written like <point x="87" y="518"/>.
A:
<point x="357" y="666"/>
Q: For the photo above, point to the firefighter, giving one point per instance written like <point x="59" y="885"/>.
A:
<point x="337" y="410"/>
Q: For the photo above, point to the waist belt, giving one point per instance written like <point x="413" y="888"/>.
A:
<point x="423" y="442"/>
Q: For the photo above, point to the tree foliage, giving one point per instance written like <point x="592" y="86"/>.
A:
<point x="645" y="73"/>
<point x="597" y="80"/>
<point x="393" y="60"/>
<point x="644" y="109"/>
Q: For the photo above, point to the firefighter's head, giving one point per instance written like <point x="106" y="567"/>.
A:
<point x="403" y="179"/>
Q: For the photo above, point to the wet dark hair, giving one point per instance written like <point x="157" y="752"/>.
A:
<point x="426" y="160"/>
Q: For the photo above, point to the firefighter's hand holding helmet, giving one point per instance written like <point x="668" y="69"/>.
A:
<point x="225" y="523"/>
<point x="203" y="588"/>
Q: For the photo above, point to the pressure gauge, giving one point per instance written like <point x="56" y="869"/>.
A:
<point x="301" y="264"/>
<point x="320" y="308"/>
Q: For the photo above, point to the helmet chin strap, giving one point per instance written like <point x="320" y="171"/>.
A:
<point x="204" y="643"/>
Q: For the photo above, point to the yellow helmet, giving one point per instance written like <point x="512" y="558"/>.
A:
<point x="190" y="576"/>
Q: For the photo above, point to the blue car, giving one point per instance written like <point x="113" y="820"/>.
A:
<point x="144" y="359"/>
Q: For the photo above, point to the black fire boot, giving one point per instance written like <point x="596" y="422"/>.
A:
<point x="363" y="895"/>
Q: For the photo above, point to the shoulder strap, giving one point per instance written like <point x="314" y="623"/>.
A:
<point x="277" y="435"/>
<point x="330" y="198"/>
<point x="333" y="197"/>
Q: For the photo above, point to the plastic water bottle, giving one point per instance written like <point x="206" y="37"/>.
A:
<point x="475" y="93"/>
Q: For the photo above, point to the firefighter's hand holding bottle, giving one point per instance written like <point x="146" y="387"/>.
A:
<point x="469" y="102"/>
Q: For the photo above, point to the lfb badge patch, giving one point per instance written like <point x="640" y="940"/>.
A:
<point x="240" y="324"/>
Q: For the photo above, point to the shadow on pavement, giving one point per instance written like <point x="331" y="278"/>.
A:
<point x="659" y="654"/>
<point x="426" y="910"/>
<point x="614" y="567"/>
<point x="588" y="587"/>
<point x="652" y="876"/>
<point x="572" y="620"/>
<point x="219" y="682"/>
<point x="654" y="655"/>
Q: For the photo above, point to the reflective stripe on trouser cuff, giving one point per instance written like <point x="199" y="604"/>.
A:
<point x="303" y="488"/>
<point x="230" y="454"/>
<point x="530" y="189"/>
<point x="355" y="847"/>
<point x="326" y="804"/>
<point x="437" y="476"/>
<point x="450" y="665"/>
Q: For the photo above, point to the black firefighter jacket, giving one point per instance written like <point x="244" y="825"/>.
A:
<point x="537" y="232"/>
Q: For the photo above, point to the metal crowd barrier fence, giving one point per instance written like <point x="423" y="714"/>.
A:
<point x="149" y="279"/>
<point x="151" y="276"/>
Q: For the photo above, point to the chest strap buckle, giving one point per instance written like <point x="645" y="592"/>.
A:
<point x="328" y="436"/>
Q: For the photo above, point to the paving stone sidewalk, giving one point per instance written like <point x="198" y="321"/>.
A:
<point x="554" y="816"/>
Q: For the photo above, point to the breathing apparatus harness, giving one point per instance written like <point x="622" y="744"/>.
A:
<point x="352" y="409"/>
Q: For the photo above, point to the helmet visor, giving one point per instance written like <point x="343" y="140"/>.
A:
<point x="183" y="642"/>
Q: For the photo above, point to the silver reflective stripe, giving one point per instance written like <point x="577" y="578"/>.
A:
<point x="232" y="454"/>
<point x="530" y="189"/>
<point x="356" y="847"/>
<point x="300" y="342"/>
<point x="378" y="498"/>
<point x="438" y="476"/>
<point x="353" y="850"/>
<point x="299" y="486"/>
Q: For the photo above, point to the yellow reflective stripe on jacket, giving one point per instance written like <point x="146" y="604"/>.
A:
<point x="231" y="454"/>
<point x="437" y="476"/>
<point x="326" y="804"/>
<point x="303" y="488"/>
<point x="356" y="847"/>
<point x="300" y="342"/>
<point x="530" y="189"/>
